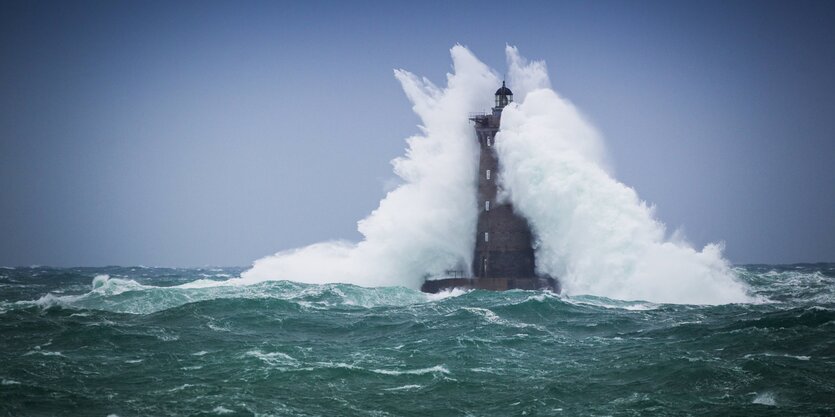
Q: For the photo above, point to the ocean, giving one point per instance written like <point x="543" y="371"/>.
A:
<point x="136" y="341"/>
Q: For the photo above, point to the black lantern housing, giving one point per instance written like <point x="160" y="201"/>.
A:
<point x="503" y="96"/>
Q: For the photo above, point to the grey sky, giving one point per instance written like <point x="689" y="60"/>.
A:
<point x="213" y="133"/>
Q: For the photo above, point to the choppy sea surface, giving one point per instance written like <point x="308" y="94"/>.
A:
<point x="137" y="342"/>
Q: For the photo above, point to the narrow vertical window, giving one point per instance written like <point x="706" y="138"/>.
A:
<point x="486" y="236"/>
<point x="484" y="267"/>
<point x="489" y="141"/>
<point x="488" y="174"/>
<point x="487" y="205"/>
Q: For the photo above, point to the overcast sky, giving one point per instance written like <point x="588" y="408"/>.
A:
<point x="214" y="133"/>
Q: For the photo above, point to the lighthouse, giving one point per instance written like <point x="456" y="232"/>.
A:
<point x="503" y="256"/>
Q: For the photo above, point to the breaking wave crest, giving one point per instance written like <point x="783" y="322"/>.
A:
<point x="128" y="296"/>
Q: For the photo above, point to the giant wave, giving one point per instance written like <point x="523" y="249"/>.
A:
<point x="592" y="231"/>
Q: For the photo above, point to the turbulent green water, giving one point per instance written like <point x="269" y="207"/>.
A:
<point x="75" y="342"/>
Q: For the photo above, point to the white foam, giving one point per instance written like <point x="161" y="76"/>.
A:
<point x="217" y="328"/>
<point x="610" y="304"/>
<point x="765" y="398"/>
<point x="338" y="365"/>
<point x="51" y="300"/>
<point x="487" y="314"/>
<point x="222" y="410"/>
<point x="100" y="280"/>
<point x="444" y="294"/>
<point x="435" y="369"/>
<point x="102" y="286"/>
<point x="105" y="285"/>
<point x="404" y="388"/>
<point x="785" y="355"/>
<point x="492" y="317"/>
<point x="273" y="358"/>
<point x="488" y="371"/>
<point x="42" y="352"/>
<point x="165" y="337"/>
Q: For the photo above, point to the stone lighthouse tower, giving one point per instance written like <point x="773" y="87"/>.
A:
<point x="504" y="257"/>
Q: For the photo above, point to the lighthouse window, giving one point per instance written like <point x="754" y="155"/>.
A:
<point x="486" y="236"/>
<point x="487" y="205"/>
<point x="488" y="174"/>
<point x="489" y="141"/>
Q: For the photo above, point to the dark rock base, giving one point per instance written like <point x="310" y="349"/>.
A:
<point x="492" y="284"/>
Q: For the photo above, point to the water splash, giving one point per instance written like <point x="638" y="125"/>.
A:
<point x="426" y="225"/>
<point x="592" y="231"/>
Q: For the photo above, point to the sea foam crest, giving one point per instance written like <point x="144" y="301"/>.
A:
<point x="437" y="369"/>
<point x="765" y="398"/>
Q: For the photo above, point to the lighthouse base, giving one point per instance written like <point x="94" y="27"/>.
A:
<point x="491" y="284"/>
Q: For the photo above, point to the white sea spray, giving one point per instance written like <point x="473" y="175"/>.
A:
<point x="426" y="225"/>
<point x="592" y="231"/>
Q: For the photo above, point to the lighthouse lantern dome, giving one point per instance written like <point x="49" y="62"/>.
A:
<point x="503" y="96"/>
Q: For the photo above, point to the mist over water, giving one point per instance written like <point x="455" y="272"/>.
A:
<point x="592" y="232"/>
